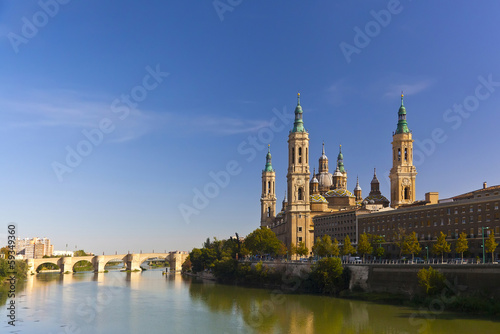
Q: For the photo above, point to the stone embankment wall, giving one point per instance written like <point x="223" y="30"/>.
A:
<point x="402" y="278"/>
<point x="466" y="279"/>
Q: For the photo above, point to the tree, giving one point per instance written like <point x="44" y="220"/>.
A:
<point x="5" y="251"/>
<point x="491" y="245"/>
<point x="441" y="246"/>
<point x="399" y="239"/>
<point x="376" y="241"/>
<point x="80" y="252"/>
<point x="364" y="246"/>
<point x="326" y="274"/>
<point x="411" y="245"/>
<point x="292" y="250"/>
<point x="264" y="241"/>
<point x="347" y="248"/>
<point x="462" y="245"/>
<point x="302" y="250"/>
<point x="323" y="246"/>
<point x="335" y="248"/>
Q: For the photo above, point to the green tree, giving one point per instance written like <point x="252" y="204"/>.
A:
<point x="399" y="239"/>
<point x="302" y="250"/>
<point x="80" y="252"/>
<point x="462" y="245"/>
<point x="326" y="274"/>
<point x="187" y="265"/>
<point x="347" y="247"/>
<point x="335" y="247"/>
<point x="364" y="246"/>
<point x="441" y="246"/>
<point x="293" y="250"/>
<point x="323" y="246"/>
<point x="411" y="245"/>
<point x="376" y="241"/>
<point x="491" y="245"/>
<point x="264" y="241"/>
<point x="431" y="280"/>
<point x="5" y="251"/>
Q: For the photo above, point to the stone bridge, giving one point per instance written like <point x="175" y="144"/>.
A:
<point x="131" y="261"/>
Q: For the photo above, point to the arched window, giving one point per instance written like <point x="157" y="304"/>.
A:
<point x="300" y="195"/>
<point x="406" y="154"/>
<point x="268" y="211"/>
<point x="407" y="193"/>
<point x="293" y="155"/>
<point x="399" y="154"/>
<point x="269" y="187"/>
<point x="300" y="155"/>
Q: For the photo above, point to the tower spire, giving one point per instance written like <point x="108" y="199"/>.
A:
<point x="402" y="123"/>
<point x="298" y="125"/>
<point x="340" y="160"/>
<point x="269" y="166"/>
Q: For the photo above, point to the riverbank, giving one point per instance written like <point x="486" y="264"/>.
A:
<point x="382" y="285"/>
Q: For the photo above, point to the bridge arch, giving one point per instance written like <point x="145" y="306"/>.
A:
<point x="53" y="261"/>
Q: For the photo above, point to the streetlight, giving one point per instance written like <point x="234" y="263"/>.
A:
<point x="482" y="229"/>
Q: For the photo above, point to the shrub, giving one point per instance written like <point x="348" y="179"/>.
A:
<point x="431" y="280"/>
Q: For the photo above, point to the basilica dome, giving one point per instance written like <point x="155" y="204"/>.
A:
<point x="339" y="193"/>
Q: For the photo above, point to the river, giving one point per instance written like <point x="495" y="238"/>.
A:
<point x="149" y="302"/>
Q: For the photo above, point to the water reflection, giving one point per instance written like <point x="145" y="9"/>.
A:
<point x="267" y="312"/>
<point x="120" y="302"/>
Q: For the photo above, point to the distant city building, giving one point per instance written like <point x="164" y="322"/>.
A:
<point x="34" y="248"/>
<point x="62" y="253"/>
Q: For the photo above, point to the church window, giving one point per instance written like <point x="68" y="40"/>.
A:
<point x="300" y="195"/>
<point x="407" y="193"/>
<point x="269" y="211"/>
<point x="300" y="228"/>
<point x="293" y="155"/>
<point x="269" y="187"/>
<point x="399" y="154"/>
<point x="307" y="157"/>
<point x="406" y="154"/>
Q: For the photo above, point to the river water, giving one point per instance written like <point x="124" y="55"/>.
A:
<point x="149" y="302"/>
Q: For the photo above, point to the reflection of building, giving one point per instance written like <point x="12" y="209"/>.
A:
<point x="34" y="248"/>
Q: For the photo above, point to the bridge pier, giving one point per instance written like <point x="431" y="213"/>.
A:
<point x="99" y="263"/>
<point x="66" y="264"/>
<point x="133" y="262"/>
<point x="31" y="266"/>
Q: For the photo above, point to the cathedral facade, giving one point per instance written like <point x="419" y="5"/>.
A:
<point x="312" y="194"/>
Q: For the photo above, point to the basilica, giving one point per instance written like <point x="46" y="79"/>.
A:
<point x="310" y="195"/>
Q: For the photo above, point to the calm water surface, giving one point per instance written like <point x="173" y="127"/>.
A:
<point x="149" y="302"/>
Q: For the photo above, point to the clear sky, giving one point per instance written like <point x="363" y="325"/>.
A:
<point x="115" y="114"/>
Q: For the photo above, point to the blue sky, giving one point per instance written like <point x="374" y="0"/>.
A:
<point x="70" y="69"/>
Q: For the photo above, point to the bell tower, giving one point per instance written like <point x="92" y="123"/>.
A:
<point x="268" y="197"/>
<point x="402" y="173"/>
<point x="298" y="208"/>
